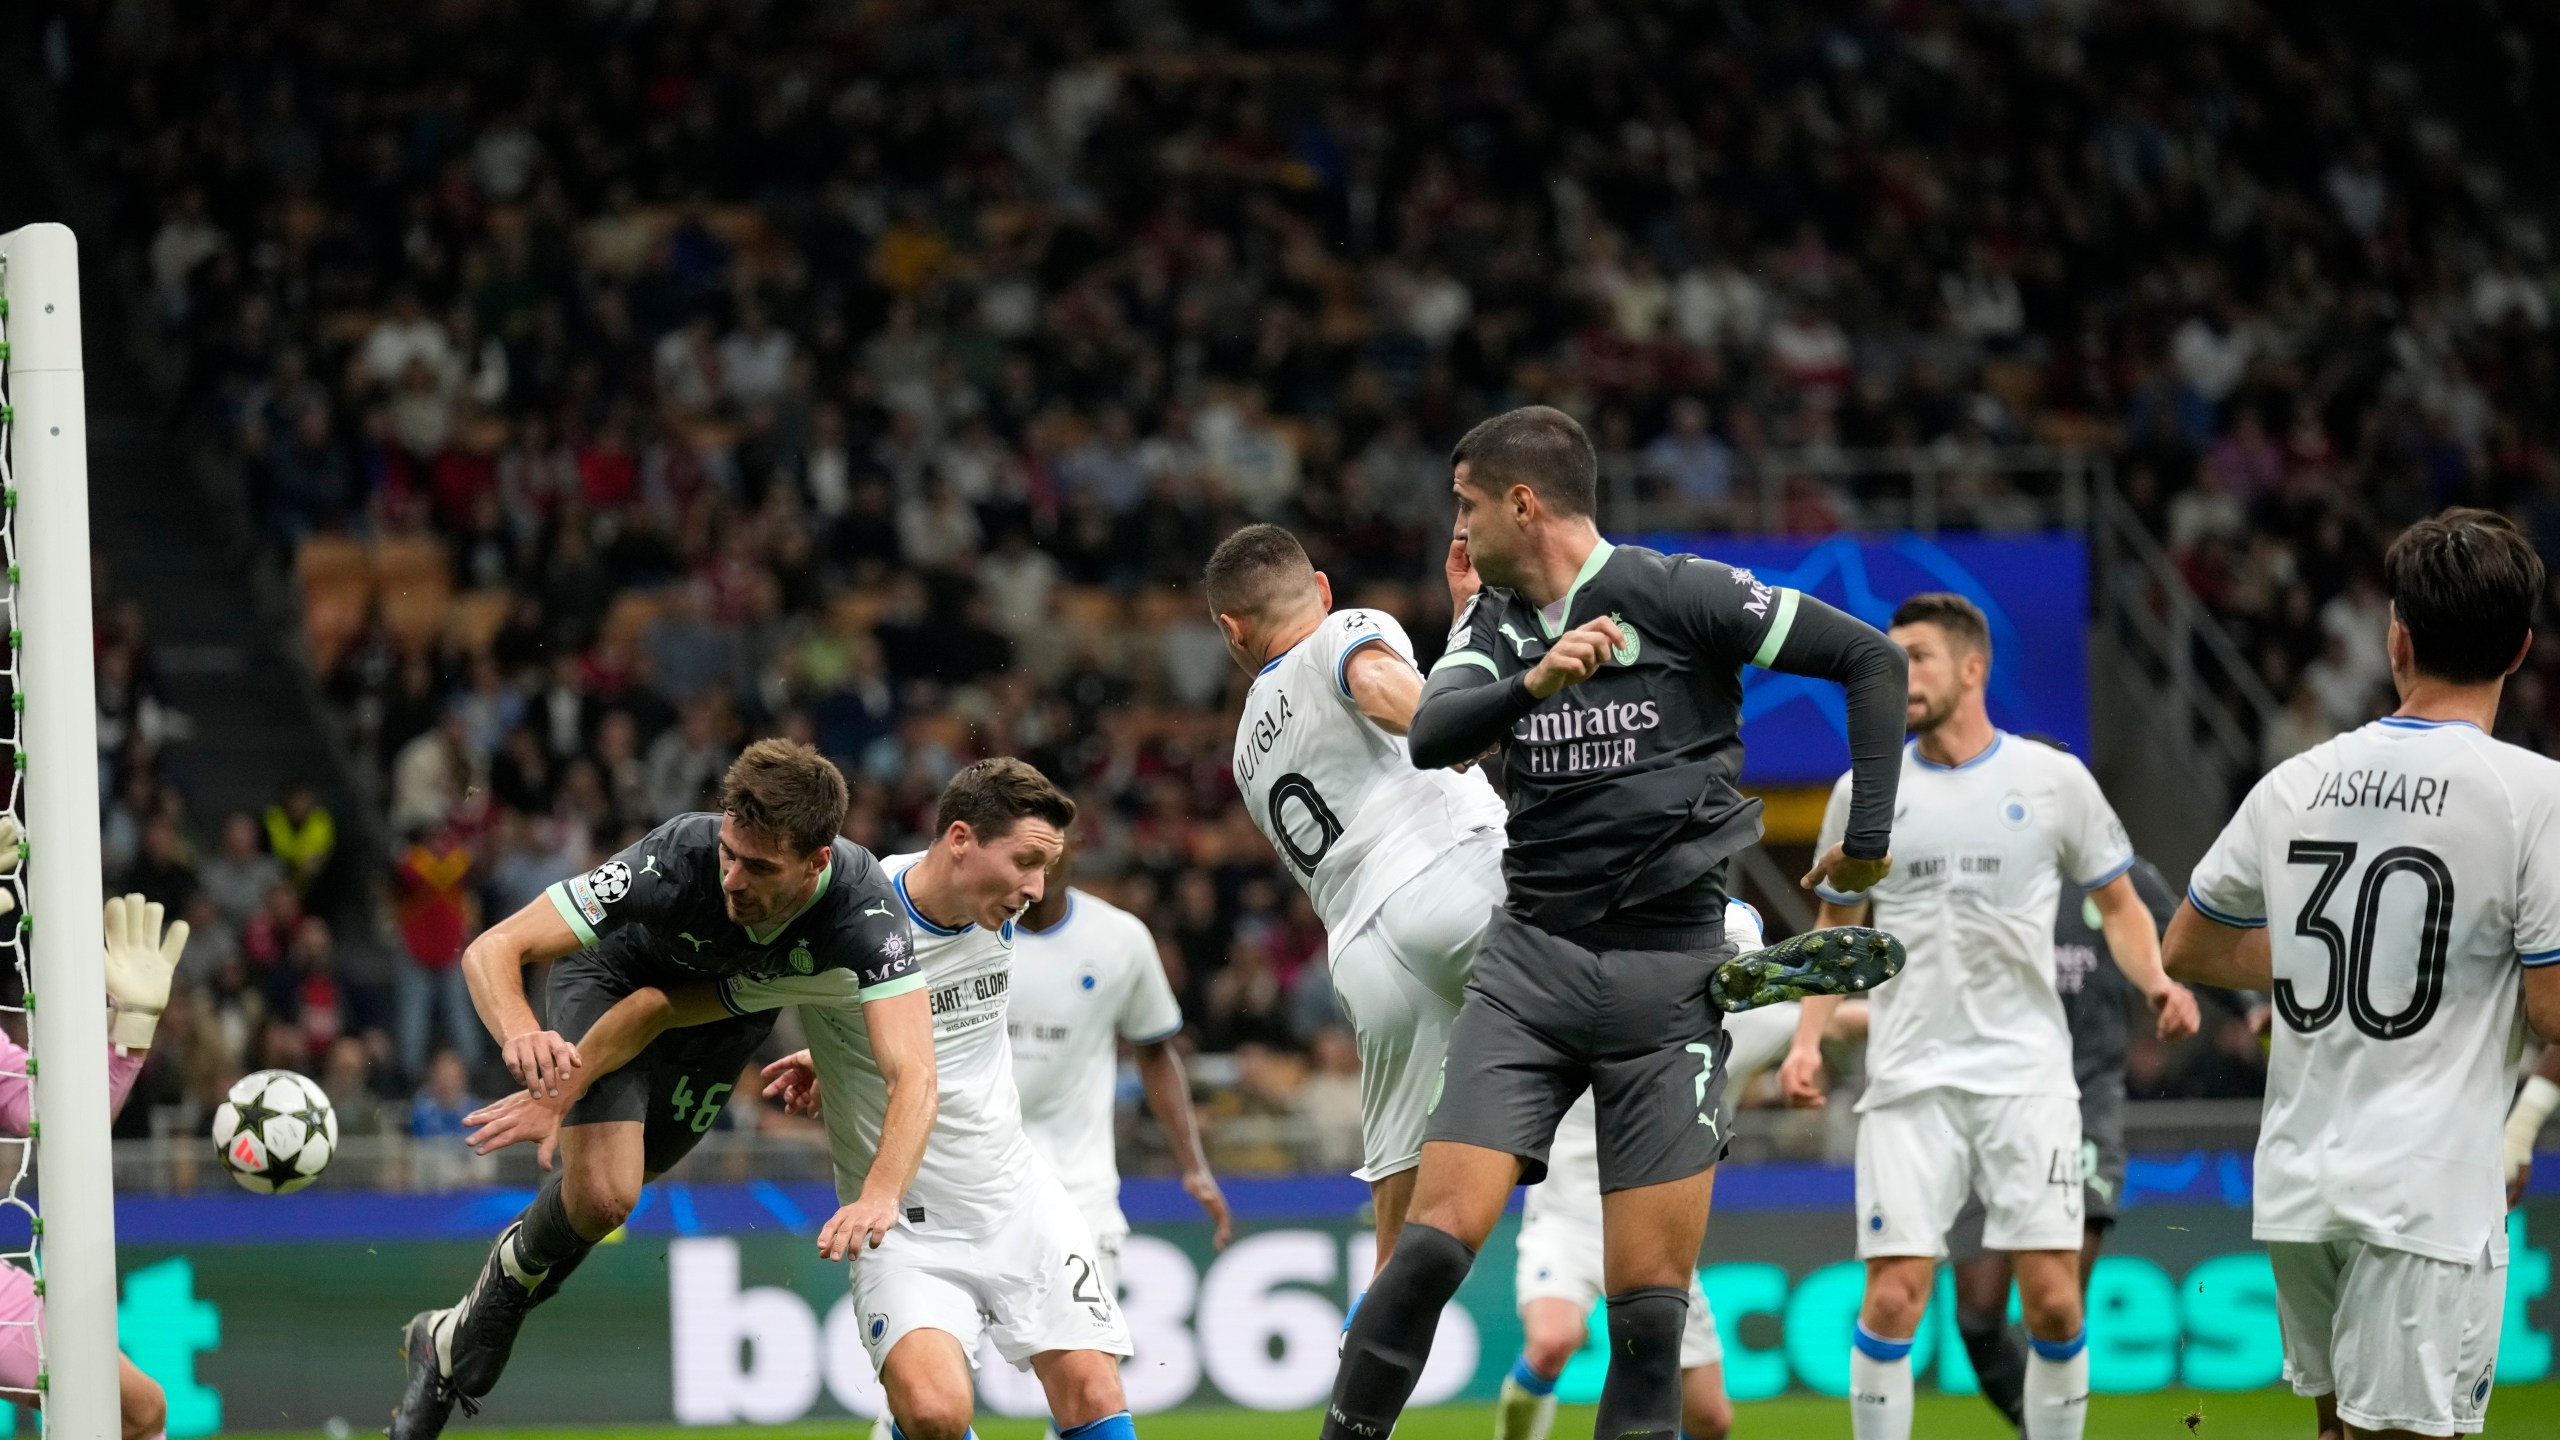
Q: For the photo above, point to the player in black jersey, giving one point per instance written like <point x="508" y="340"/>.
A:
<point x="765" y="889"/>
<point x="1611" y="679"/>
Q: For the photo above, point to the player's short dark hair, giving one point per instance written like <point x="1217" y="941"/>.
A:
<point x="1254" y="568"/>
<point x="992" y="796"/>
<point x="2464" y="583"/>
<point x="1538" y="446"/>
<point x="784" y="790"/>
<point x="1959" y="617"/>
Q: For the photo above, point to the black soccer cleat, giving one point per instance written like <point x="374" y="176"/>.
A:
<point x="484" y="1325"/>
<point x="1843" y="960"/>
<point x="427" y="1401"/>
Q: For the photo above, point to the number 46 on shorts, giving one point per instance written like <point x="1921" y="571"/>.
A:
<point x="704" y="1109"/>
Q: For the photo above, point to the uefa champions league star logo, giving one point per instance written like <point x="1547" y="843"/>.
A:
<point x="611" y="881"/>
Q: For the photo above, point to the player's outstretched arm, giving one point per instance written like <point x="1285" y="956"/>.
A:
<point x="2135" y="944"/>
<point x="2204" y="951"/>
<point x="1169" y="1096"/>
<point x="493" y="966"/>
<point x="901" y="1029"/>
<point x="1384" y="687"/>
<point x="1826" y="643"/>
<point x="615" y="1040"/>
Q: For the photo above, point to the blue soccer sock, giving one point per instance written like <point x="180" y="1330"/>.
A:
<point x="1110" y="1427"/>
<point x="1530" y="1380"/>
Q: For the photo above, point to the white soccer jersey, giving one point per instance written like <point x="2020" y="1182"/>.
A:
<point x="1079" y="988"/>
<point x="1571" y="1191"/>
<point x="1979" y="852"/>
<point x="1337" y="796"/>
<point x="2403" y="871"/>
<point x="975" y="1162"/>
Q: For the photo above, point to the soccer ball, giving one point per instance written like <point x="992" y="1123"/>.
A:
<point x="276" y="1131"/>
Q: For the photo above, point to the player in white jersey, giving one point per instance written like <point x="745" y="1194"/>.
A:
<point x="1404" y="865"/>
<point x="1969" y="1060"/>
<point x="1086" y="976"/>
<point x="987" y="1244"/>
<point x="1558" y="1276"/>
<point x="2394" y="887"/>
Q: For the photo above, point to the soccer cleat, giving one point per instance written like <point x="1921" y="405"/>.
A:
<point x="1843" y="960"/>
<point x="427" y="1401"/>
<point x="1519" y="1415"/>
<point x="484" y="1325"/>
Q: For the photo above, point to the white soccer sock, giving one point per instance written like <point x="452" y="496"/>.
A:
<point x="2057" y="1391"/>
<point x="1879" y="1387"/>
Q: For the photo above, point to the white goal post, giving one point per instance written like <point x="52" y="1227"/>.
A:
<point x="55" y="793"/>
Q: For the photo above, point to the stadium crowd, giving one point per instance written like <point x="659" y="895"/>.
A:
<point x="881" y="375"/>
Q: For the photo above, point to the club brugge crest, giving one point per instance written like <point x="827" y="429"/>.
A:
<point x="1630" y="647"/>
<point x="611" y="881"/>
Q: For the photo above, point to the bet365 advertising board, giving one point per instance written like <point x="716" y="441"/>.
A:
<point x="714" y="1308"/>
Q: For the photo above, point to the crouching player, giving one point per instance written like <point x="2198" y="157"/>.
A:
<point x="986" y="1243"/>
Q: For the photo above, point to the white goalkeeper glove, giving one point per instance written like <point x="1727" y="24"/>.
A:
<point x="140" y="962"/>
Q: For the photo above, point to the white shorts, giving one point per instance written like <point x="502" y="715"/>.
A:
<point x="1561" y="1260"/>
<point x="1035" y="1283"/>
<point x="2404" y="1341"/>
<point x="1399" y="978"/>
<point x="1920" y="1156"/>
<point x="1761" y="1038"/>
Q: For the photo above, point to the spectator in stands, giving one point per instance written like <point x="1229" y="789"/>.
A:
<point x="438" y="880"/>
<point x="438" y="1158"/>
<point x="238" y="875"/>
<point x="301" y="834"/>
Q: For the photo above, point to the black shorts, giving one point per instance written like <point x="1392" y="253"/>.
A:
<point x="676" y="1087"/>
<point x="2102" y="1164"/>
<point x="1545" y="1019"/>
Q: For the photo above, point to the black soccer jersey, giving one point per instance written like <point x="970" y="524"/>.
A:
<point x="661" y="898"/>
<point x="1624" y="807"/>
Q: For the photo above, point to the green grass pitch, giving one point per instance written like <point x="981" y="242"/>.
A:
<point x="2520" y="1410"/>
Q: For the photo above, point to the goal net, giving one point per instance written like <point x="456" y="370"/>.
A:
<point x="52" y="934"/>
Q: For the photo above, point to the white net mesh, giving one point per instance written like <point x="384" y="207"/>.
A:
<point x="17" y="1152"/>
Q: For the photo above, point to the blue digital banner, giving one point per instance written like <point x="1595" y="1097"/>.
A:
<point x="2034" y="589"/>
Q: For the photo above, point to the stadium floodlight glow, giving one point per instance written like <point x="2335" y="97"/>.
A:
<point x="53" y="790"/>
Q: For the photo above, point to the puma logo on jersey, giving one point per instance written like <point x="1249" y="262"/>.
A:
<point x="1519" y="642"/>
<point x="697" y="944"/>
<point x="651" y="868"/>
<point x="876" y="908"/>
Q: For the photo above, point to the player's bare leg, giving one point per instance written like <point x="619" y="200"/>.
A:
<point x="1083" y="1387"/>
<point x="1880" y="1348"/>
<point x="926" y="1378"/>
<point x="1552" y="1332"/>
<point x="1649" y="1237"/>
<point x="1458" y="1194"/>
<point x="457" y="1355"/>
<point x="1706" y="1412"/>
<point x="2057" y="1386"/>
<point x="1997" y="1349"/>
<point x="144" y="1407"/>
<point x="1390" y="1198"/>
